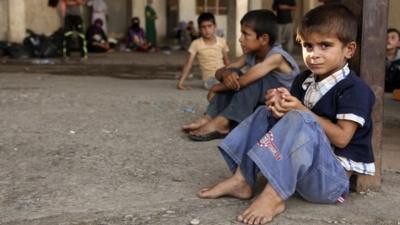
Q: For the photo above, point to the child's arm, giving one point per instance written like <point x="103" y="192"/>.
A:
<point x="233" y="82"/>
<point x="229" y="77"/>
<point x="238" y="63"/>
<point x="339" y="134"/>
<point x="275" y="61"/>
<point x="185" y="71"/>
<point x="226" y="58"/>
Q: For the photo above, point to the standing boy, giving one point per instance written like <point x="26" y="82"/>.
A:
<point x="239" y="94"/>
<point x="392" y="76"/>
<point x="73" y="27"/>
<point x="284" y="10"/>
<point x="211" y="52"/>
<point x="311" y="139"/>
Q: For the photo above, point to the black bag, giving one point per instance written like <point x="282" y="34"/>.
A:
<point x="14" y="50"/>
<point x="53" y="3"/>
<point x="42" y="46"/>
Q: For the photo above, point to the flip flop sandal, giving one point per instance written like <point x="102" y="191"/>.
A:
<point x="207" y="137"/>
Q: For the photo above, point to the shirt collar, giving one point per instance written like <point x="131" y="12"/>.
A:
<point x="328" y="82"/>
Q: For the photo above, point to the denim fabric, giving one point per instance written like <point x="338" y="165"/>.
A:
<point x="210" y="82"/>
<point x="293" y="153"/>
<point x="237" y="105"/>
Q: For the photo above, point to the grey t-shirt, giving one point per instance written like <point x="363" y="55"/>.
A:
<point x="284" y="79"/>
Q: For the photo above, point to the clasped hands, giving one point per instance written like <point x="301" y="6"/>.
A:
<point x="229" y="78"/>
<point x="279" y="101"/>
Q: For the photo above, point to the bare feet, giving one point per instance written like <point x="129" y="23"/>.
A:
<point x="233" y="187"/>
<point x="268" y="205"/>
<point x="196" y="124"/>
<point x="219" y="123"/>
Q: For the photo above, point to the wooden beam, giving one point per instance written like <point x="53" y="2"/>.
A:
<point x="369" y="62"/>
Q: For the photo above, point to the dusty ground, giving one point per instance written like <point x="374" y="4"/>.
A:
<point x="105" y="151"/>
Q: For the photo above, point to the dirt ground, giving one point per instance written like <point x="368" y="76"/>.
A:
<point x="107" y="151"/>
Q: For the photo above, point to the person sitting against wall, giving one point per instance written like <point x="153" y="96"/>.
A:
<point x="97" y="38"/>
<point x="137" y="37"/>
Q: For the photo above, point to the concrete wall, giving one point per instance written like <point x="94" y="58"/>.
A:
<point x="160" y="7"/>
<point x="187" y="12"/>
<point x="394" y="15"/>
<point x="118" y="18"/>
<point x="16" y="19"/>
<point x="40" y="18"/>
<point x="3" y="20"/>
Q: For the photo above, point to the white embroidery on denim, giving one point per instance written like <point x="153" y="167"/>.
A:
<point x="268" y="142"/>
<point x="352" y="117"/>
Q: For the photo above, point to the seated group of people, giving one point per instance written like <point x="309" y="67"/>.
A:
<point x="97" y="40"/>
<point x="304" y="132"/>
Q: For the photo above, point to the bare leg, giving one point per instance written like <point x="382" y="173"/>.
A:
<point x="219" y="123"/>
<point x="196" y="124"/>
<point x="234" y="186"/>
<point x="267" y="205"/>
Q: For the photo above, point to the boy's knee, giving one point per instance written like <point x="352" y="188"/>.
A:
<point x="298" y="115"/>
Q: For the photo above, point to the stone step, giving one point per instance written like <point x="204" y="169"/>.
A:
<point x="130" y="71"/>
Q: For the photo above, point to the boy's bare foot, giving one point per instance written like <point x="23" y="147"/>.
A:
<point x="219" y="124"/>
<point x="233" y="187"/>
<point x="196" y="124"/>
<point x="268" y="205"/>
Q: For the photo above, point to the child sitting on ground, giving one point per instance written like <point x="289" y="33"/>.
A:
<point x="136" y="37"/>
<point x="211" y="52"/>
<point x="239" y="94"/>
<point x="97" y="40"/>
<point x="392" y="76"/>
<point x="311" y="139"/>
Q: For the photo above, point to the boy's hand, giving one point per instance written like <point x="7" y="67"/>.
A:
<point x="271" y="97"/>
<point x="275" y="112"/>
<point x="276" y="101"/>
<point x="231" y="80"/>
<point x="210" y="95"/>
<point x="274" y="96"/>
<point x="290" y="102"/>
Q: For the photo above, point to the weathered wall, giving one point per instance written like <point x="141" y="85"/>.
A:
<point x="16" y="19"/>
<point x="160" y="7"/>
<point x="40" y="18"/>
<point x="3" y="20"/>
<point x="187" y="12"/>
<point x="118" y="18"/>
<point x="394" y="15"/>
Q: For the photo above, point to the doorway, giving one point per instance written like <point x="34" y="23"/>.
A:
<point x="172" y="17"/>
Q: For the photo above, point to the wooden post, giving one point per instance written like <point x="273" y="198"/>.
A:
<point x="369" y="62"/>
<point x="236" y="10"/>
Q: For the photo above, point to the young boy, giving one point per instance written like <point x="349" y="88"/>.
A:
<point x="311" y="139"/>
<point x="211" y="52"/>
<point x="392" y="76"/>
<point x="239" y="94"/>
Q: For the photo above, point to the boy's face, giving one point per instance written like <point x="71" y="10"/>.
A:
<point x="393" y="41"/>
<point x="325" y="54"/>
<point x="248" y="40"/>
<point x="207" y="29"/>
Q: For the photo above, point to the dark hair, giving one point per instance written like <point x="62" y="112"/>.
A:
<point x="262" y="21"/>
<point x="393" y="30"/>
<point x="206" y="16"/>
<point x="333" y="19"/>
<point x="98" y="20"/>
<point x="135" y="19"/>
